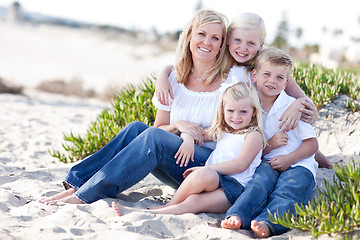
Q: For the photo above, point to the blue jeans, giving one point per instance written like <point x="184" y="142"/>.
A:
<point x="135" y="152"/>
<point x="273" y="190"/>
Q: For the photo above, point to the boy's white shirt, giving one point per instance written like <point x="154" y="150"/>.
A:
<point x="301" y="132"/>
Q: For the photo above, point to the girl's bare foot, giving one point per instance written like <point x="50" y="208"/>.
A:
<point x="59" y="196"/>
<point x="261" y="229"/>
<point x="232" y="222"/>
<point x="322" y="160"/>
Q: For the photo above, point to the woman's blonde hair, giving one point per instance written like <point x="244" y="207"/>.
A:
<point x="249" y="21"/>
<point x="184" y="61"/>
<point x="237" y="92"/>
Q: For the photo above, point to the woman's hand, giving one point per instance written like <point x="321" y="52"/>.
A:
<point x="190" y="170"/>
<point x="193" y="129"/>
<point x="309" y="112"/>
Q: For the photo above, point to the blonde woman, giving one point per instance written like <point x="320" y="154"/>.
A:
<point x="139" y="149"/>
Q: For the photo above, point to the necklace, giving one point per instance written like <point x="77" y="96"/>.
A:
<point x="200" y="80"/>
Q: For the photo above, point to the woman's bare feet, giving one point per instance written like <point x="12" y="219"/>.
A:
<point x="119" y="210"/>
<point x="232" y="222"/>
<point x="59" y="196"/>
<point x="68" y="200"/>
<point x="260" y="229"/>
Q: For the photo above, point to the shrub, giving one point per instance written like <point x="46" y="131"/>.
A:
<point x="131" y="104"/>
<point x="322" y="85"/>
<point x="335" y="210"/>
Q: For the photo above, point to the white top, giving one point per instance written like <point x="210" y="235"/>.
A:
<point x="301" y="132"/>
<point x="196" y="107"/>
<point x="229" y="148"/>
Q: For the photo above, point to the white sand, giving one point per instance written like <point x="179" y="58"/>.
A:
<point x="32" y="124"/>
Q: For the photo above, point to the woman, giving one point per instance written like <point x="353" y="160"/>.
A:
<point x="139" y="149"/>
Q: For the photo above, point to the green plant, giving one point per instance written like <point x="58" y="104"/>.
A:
<point x="335" y="210"/>
<point x="322" y="85"/>
<point x="131" y="104"/>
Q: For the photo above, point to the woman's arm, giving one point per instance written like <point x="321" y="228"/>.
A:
<point x="162" y="120"/>
<point x="162" y="87"/>
<point x="252" y="145"/>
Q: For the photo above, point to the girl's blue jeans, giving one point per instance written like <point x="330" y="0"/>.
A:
<point x="274" y="191"/>
<point x="134" y="153"/>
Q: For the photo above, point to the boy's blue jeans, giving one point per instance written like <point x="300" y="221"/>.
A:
<point x="273" y="190"/>
<point x="135" y="152"/>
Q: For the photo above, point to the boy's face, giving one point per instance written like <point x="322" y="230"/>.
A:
<point x="244" y="44"/>
<point x="270" y="79"/>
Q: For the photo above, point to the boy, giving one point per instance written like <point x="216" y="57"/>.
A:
<point x="287" y="174"/>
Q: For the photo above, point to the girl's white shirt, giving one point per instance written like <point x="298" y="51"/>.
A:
<point x="229" y="148"/>
<point x="197" y="107"/>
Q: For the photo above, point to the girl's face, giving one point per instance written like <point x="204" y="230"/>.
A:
<point x="244" y="44"/>
<point x="238" y="114"/>
<point x="205" y="42"/>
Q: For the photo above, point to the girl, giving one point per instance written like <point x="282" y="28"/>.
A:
<point x="237" y="129"/>
<point x="245" y="38"/>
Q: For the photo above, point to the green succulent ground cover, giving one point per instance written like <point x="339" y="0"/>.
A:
<point x="326" y="214"/>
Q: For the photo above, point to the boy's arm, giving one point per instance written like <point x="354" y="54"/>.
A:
<point x="162" y="86"/>
<point x="186" y="150"/>
<point x="302" y="109"/>
<point x="306" y="149"/>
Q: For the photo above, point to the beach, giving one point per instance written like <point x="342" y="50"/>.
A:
<point x="34" y="123"/>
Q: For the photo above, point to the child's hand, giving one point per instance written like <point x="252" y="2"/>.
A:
<point x="280" y="163"/>
<point x="163" y="90"/>
<point x="309" y="112"/>
<point x="190" y="170"/>
<point x="186" y="151"/>
<point x="279" y="139"/>
<point x="291" y="117"/>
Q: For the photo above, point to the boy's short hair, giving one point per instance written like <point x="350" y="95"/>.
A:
<point x="274" y="56"/>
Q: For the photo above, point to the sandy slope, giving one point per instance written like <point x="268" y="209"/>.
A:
<point x="32" y="124"/>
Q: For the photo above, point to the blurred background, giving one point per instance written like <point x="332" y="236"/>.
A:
<point x="93" y="48"/>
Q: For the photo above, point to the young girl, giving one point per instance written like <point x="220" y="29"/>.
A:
<point x="245" y="38"/>
<point x="237" y="129"/>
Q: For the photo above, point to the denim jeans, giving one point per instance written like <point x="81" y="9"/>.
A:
<point x="135" y="152"/>
<point x="273" y="190"/>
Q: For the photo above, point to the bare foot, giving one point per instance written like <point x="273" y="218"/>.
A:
<point x="61" y="195"/>
<point x="261" y="229"/>
<point x="322" y="160"/>
<point x="117" y="208"/>
<point x="232" y="222"/>
<point x="70" y="200"/>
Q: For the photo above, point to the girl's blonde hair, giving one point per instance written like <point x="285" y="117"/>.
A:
<point x="184" y="61"/>
<point x="250" y="21"/>
<point x="237" y="92"/>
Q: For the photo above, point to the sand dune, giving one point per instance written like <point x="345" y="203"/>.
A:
<point x="33" y="123"/>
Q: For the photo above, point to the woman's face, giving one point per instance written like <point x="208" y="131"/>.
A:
<point x="244" y="44"/>
<point x="205" y="42"/>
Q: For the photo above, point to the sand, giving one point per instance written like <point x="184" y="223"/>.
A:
<point x="33" y="123"/>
